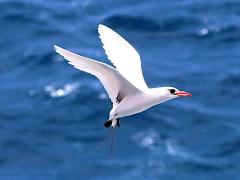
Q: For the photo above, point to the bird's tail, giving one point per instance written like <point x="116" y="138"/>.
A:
<point x="112" y="123"/>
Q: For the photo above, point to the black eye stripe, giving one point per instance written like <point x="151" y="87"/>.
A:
<point x="172" y="91"/>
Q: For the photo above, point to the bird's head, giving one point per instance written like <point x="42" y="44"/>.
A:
<point x="167" y="93"/>
<point x="173" y="92"/>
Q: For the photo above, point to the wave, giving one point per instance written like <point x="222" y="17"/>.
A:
<point x="56" y="92"/>
<point x="232" y="79"/>
<point x="154" y="141"/>
<point x="177" y="26"/>
<point x="225" y="34"/>
<point x="227" y="149"/>
<point x="141" y="23"/>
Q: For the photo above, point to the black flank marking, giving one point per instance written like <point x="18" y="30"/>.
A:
<point x="108" y="123"/>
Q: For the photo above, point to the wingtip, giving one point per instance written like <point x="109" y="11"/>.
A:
<point x="101" y="27"/>
<point x="55" y="47"/>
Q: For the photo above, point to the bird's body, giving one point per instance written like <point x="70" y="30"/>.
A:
<point x="138" y="102"/>
<point x="124" y="84"/>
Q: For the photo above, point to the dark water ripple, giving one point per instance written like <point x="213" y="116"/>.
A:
<point x="52" y="115"/>
<point x="146" y="24"/>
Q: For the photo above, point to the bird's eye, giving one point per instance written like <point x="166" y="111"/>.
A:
<point x="172" y="91"/>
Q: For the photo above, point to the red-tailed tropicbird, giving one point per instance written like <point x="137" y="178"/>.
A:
<point x="124" y="84"/>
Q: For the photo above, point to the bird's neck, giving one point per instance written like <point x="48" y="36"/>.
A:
<point x="159" y="95"/>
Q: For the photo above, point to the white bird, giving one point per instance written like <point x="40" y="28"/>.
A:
<point x="125" y="83"/>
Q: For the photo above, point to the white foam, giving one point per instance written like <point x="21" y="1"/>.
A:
<point x="103" y="96"/>
<point x="55" y="92"/>
<point x="174" y="149"/>
<point x="203" y="32"/>
<point x="146" y="138"/>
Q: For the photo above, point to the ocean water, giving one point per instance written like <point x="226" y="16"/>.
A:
<point x="52" y="115"/>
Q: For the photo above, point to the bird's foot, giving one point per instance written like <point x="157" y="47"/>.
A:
<point x="112" y="122"/>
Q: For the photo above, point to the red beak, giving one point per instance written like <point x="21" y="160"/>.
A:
<point x="182" y="93"/>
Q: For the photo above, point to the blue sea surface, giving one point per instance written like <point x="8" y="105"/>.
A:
<point x="52" y="115"/>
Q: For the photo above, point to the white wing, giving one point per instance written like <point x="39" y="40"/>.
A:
<point x="123" y="56"/>
<point x="115" y="84"/>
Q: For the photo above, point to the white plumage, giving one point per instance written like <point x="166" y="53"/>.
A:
<point x="125" y="85"/>
<point x="123" y="56"/>
<point x="111" y="79"/>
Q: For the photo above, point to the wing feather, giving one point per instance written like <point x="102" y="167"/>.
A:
<point x="112" y="80"/>
<point x="123" y="56"/>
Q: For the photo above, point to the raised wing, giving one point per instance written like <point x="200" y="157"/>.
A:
<point x="115" y="84"/>
<point x="123" y="56"/>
